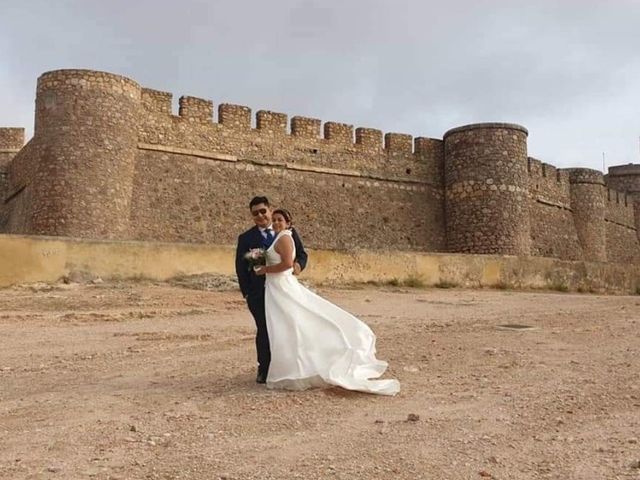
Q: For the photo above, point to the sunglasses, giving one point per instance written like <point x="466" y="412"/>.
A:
<point x="260" y="211"/>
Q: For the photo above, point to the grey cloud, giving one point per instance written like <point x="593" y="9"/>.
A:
<point x="567" y="71"/>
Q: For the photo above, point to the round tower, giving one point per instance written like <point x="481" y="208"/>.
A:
<point x="86" y="127"/>
<point x="486" y="189"/>
<point x="588" y="206"/>
<point x="626" y="178"/>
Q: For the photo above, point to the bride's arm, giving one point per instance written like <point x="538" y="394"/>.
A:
<point x="284" y="247"/>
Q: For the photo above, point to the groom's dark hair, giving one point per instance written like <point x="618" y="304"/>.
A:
<point x="257" y="201"/>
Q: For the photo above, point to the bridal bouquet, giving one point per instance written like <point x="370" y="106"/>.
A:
<point x="256" y="258"/>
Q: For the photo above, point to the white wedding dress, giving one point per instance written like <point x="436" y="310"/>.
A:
<point x="315" y="343"/>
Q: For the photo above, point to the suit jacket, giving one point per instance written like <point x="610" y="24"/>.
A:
<point x="250" y="283"/>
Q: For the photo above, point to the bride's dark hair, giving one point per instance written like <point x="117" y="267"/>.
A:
<point x="286" y="214"/>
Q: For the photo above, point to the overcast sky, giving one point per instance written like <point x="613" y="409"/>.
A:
<point x="567" y="70"/>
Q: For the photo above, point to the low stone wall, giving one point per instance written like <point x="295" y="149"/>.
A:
<point x="28" y="259"/>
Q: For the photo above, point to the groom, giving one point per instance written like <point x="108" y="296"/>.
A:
<point x="252" y="285"/>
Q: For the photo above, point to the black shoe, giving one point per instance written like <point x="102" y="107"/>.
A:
<point x="261" y="378"/>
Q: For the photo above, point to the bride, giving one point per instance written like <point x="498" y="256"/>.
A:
<point x="313" y="342"/>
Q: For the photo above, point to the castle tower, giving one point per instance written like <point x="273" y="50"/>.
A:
<point x="588" y="206"/>
<point x="486" y="189"/>
<point x="626" y="178"/>
<point x="87" y="122"/>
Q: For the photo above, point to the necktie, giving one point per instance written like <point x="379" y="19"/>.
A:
<point x="269" y="237"/>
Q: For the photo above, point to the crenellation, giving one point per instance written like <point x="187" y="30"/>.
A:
<point x="563" y="177"/>
<point x="548" y="184"/>
<point x="338" y="133"/>
<point x="398" y="143"/>
<point x="234" y="117"/>
<point x="271" y="122"/>
<point x="195" y="109"/>
<point x="618" y="202"/>
<point x="549" y="171"/>
<point x="585" y="176"/>
<point x="157" y="101"/>
<point x="305" y="127"/>
<point x="534" y="167"/>
<point x="424" y="147"/>
<point x="369" y="139"/>
<point x="110" y="160"/>
<point x="630" y="169"/>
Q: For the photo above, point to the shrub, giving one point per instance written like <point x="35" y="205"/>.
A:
<point x="559" y="286"/>
<point x="445" y="284"/>
<point x="414" y="281"/>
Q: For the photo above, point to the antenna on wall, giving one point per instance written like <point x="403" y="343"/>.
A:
<point x="603" y="164"/>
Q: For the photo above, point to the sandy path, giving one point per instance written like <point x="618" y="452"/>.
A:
<point x="137" y="381"/>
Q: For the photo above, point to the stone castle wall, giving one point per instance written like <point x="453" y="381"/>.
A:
<point x="11" y="142"/>
<point x="625" y="178"/>
<point x="345" y="191"/>
<point x="110" y="160"/>
<point x="553" y="231"/>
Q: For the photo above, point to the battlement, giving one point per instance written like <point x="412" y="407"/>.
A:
<point x="271" y="122"/>
<point x="339" y="133"/>
<point x="619" y="209"/>
<point x="234" y="117"/>
<point x="620" y="170"/>
<point x="305" y="127"/>
<point x="614" y="196"/>
<point x="625" y="178"/>
<point x="487" y="125"/>
<point x="370" y="138"/>
<point x="157" y="101"/>
<point x="196" y="109"/>
<point x="586" y="176"/>
<point x="428" y="147"/>
<point x="87" y="80"/>
<point x="548" y="183"/>
<point x="550" y="173"/>
<point x="399" y="143"/>
<point x="238" y="118"/>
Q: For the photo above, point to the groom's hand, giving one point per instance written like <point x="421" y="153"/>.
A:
<point x="296" y="268"/>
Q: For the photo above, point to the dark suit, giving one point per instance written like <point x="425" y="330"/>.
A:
<point x="252" y="288"/>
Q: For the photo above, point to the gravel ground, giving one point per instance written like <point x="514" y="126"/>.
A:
<point x="156" y="381"/>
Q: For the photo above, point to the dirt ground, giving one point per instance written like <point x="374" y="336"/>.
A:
<point x="156" y="381"/>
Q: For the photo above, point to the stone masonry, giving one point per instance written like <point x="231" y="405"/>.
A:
<point x="109" y="160"/>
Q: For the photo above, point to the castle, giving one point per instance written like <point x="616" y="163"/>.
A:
<point x="109" y="160"/>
